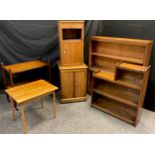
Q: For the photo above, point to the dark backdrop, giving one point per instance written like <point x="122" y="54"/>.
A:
<point x="24" y="40"/>
<point x="141" y="30"/>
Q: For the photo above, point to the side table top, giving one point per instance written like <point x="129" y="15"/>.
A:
<point x="29" y="91"/>
<point x="25" y="66"/>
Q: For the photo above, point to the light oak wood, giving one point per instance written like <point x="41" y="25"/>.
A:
<point x="128" y="92"/>
<point x="71" y="42"/>
<point x="129" y="41"/>
<point x="106" y="52"/>
<point x="73" y="83"/>
<point x="23" y="119"/>
<point x="11" y="70"/>
<point x="4" y="77"/>
<point x="80" y="83"/>
<point x="29" y="91"/>
<point x="54" y="104"/>
<point x="130" y="97"/>
<point x="118" y="75"/>
<point x="25" y="66"/>
<point x="67" y="84"/>
<point x="132" y="67"/>
<point x="13" y="109"/>
<point x="123" y="58"/>
<point x="73" y="71"/>
<point x="115" y="109"/>
<point x="70" y="100"/>
<point x="111" y="78"/>
<point x="72" y="67"/>
<point x="24" y="93"/>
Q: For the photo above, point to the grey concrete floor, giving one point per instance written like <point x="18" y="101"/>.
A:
<point x="71" y="118"/>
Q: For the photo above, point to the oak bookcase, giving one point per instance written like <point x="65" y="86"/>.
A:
<point x="118" y="76"/>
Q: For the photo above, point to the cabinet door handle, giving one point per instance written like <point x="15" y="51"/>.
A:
<point x="64" y="52"/>
<point x="75" y="85"/>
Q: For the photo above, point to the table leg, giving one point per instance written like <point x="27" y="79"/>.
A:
<point x="49" y="71"/>
<point x="12" y="84"/>
<point x="23" y="119"/>
<point x="54" y="104"/>
<point x="4" y="77"/>
<point x="13" y="108"/>
<point x="42" y="103"/>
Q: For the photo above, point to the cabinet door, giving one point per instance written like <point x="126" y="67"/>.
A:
<point x="67" y="89"/>
<point x="72" y="53"/>
<point x="80" y="82"/>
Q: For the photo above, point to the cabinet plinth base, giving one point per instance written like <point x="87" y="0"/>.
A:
<point x="70" y="100"/>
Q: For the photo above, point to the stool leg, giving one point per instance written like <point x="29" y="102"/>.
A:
<point x="23" y="119"/>
<point x="54" y="105"/>
<point x="13" y="108"/>
<point x="42" y="103"/>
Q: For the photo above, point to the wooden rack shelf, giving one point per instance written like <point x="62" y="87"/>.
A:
<point x="130" y="73"/>
<point x="132" y="67"/>
<point x="108" y="51"/>
<point x="128" y="59"/>
<point x="116" y="109"/>
<point x="118" y="75"/>
<point x="97" y="68"/>
<point x="110" y="77"/>
<point x="10" y="70"/>
<point x="111" y="91"/>
<point x="21" y="83"/>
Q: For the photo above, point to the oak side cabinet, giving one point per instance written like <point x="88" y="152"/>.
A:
<point x="73" y="83"/>
<point x="71" y="42"/>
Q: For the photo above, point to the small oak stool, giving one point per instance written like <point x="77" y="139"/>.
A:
<point x="24" y="93"/>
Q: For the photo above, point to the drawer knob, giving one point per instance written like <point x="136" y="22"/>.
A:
<point x="64" y="52"/>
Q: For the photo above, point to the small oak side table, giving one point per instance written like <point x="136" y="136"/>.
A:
<point x="22" y="67"/>
<point x="24" y="93"/>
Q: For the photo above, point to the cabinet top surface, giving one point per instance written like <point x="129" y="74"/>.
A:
<point x="30" y="91"/>
<point x="73" y="67"/>
<point x="71" y="21"/>
<point x="25" y="66"/>
<point x="121" y="40"/>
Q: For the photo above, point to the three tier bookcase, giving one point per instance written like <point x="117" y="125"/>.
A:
<point x="118" y="75"/>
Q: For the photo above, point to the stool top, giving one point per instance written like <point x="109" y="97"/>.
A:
<point x="29" y="91"/>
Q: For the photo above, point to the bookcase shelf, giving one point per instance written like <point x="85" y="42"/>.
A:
<point x="98" y="68"/>
<point x="132" y="67"/>
<point x="114" y="108"/>
<point x="130" y="97"/>
<point x="120" y="91"/>
<point x="110" y="77"/>
<point x="106" y="52"/>
<point x="128" y="59"/>
<point x="118" y="76"/>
